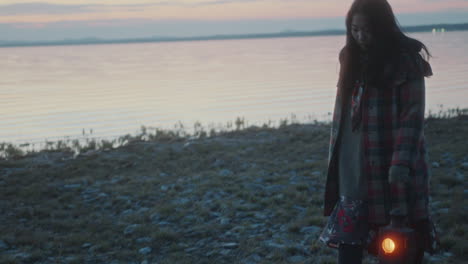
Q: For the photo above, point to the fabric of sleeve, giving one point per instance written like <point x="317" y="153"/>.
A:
<point x="411" y="104"/>
<point x="411" y="117"/>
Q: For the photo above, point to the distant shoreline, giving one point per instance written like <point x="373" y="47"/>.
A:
<point x="285" y="34"/>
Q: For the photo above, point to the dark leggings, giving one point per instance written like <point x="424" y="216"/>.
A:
<point x="352" y="254"/>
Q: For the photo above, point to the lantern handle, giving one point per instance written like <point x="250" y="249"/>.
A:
<point x="398" y="218"/>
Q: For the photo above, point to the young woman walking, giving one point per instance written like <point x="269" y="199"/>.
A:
<point x="378" y="163"/>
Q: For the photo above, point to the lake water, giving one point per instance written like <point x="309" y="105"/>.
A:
<point x="106" y="91"/>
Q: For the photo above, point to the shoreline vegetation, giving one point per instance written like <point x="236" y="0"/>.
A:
<point x="180" y="133"/>
<point x="250" y="195"/>
<point x="441" y="28"/>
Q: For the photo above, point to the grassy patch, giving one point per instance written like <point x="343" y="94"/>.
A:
<point x="247" y="186"/>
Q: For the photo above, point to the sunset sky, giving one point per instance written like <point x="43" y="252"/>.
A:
<point x="60" y="19"/>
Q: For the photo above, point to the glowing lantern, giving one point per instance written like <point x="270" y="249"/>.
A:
<point x="388" y="245"/>
<point x="397" y="244"/>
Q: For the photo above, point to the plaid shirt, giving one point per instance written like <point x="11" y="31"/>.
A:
<point x="392" y="131"/>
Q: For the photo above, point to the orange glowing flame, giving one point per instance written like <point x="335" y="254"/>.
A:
<point x="388" y="245"/>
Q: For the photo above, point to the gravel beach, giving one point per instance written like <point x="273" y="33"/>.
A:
<point x="248" y="196"/>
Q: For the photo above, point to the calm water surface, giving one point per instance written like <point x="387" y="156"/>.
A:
<point x="106" y="91"/>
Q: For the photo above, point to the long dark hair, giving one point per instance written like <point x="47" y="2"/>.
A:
<point x="388" y="42"/>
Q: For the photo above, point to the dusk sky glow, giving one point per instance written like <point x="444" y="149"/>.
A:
<point x="58" y="19"/>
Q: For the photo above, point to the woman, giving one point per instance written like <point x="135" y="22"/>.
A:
<point x="377" y="161"/>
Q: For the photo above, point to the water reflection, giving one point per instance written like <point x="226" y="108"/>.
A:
<point x="54" y="92"/>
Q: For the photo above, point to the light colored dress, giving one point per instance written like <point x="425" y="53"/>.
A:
<point x="348" y="222"/>
<point x="352" y="183"/>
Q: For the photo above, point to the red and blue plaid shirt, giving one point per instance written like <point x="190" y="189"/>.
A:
<point x="392" y="130"/>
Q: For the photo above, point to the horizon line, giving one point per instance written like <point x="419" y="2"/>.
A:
<point x="281" y="34"/>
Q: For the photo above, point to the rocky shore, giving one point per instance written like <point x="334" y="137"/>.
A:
<point x="248" y="196"/>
